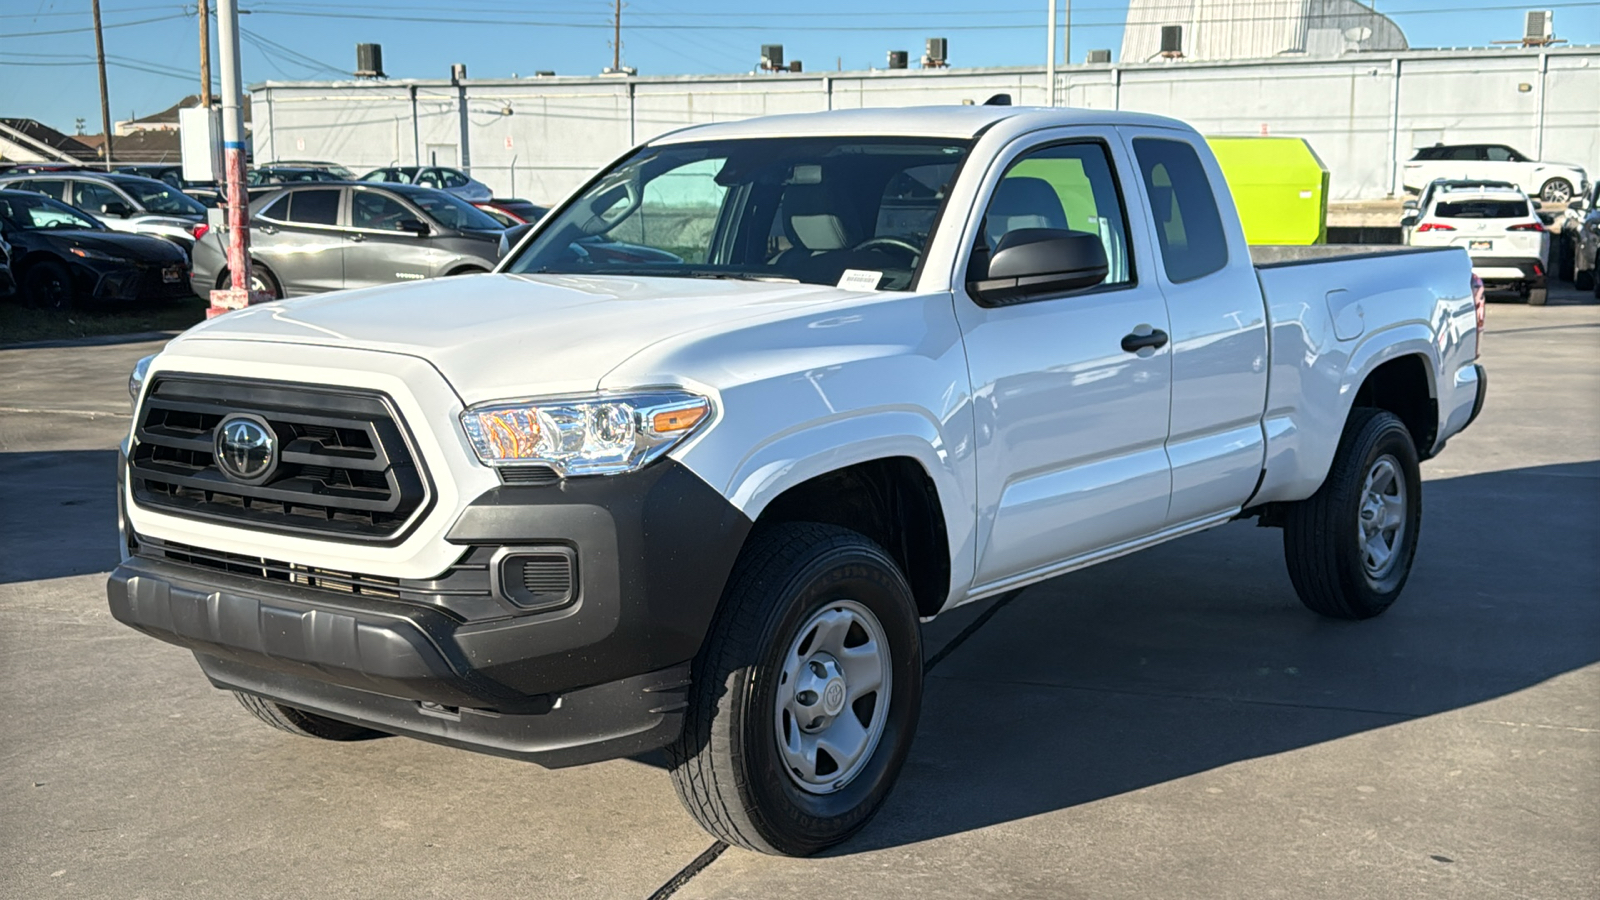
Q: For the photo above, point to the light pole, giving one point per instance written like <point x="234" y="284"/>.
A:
<point x="239" y="294"/>
<point x="1050" y="56"/>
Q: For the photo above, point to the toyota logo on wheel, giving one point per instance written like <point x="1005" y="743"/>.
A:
<point x="246" y="449"/>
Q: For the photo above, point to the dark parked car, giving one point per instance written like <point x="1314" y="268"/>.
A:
<point x="206" y="192"/>
<point x="121" y="201"/>
<point x="62" y="257"/>
<point x="310" y="238"/>
<point x="509" y="212"/>
<point x="445" y="179"/>
<point x="8" y="282"/>
<point x="335" y="169"/>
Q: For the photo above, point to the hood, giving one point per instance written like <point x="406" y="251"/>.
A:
<point x="140" y="247"/>
<point x="497" y="337"/>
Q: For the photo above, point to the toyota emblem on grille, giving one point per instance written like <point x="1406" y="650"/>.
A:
<point x="246" y="449"/>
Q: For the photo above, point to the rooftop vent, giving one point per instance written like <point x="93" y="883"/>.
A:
<point x="1172" y="42"/>
<point x="937" y="55"/>
<point x="771" y="57"/>
<point x="1098" y="56"/>
<point x="369" y="61"/>
<point x="898" y="59"/>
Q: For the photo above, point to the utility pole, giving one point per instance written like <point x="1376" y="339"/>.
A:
<point x="1050" y="57"/>
<point x="1066" y="35"/>
<point x="105" y="98"/>
<point x="205" y="54"/>
<point x="616" y="36"/>
<point x="239" y="294"/>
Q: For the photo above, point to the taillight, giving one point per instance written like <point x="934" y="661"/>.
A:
<point x="1480" y="305"/>
<point x="199" y="230"/>
<point x="1435" y="226"/>
<point x="1527" y="226"/>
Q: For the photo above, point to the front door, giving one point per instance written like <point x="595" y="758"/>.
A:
<point x="1071" y="427"/>
<point x="378" y="250"/>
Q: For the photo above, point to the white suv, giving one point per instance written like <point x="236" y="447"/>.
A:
<point x="1498" y="226"/>
<point x="1554" y="183"/>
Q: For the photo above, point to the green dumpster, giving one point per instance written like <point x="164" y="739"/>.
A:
<point x="1279" y="185"/>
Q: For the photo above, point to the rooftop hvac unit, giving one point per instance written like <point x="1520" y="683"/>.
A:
<point x="898" y="59"/>
<point x="458" y="71"/>
<point x="1172" y="41"/>
<point x="937" y="54"/>
<point x="772" y="57"/>
<point x="1539" y="26"/>
<point x="794" y="65"/>
<point x="1099" y="56"/>
<point x="369" y="61"/>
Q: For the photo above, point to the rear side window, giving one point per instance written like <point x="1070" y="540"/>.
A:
<point x="452" y="179"/>
<point x="1482" y="209"/>
<point x="1429" y="153"/>
<point x="1470" y="151"/>
<point x="1503" y="154"/>
<point x="1183" y="207"/>
<point x="314" y="207"/>
<point x="277" y="210"/>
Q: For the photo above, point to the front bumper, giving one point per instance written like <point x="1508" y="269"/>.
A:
<point x="603" y="676"/>
<point x="136" y="281"/>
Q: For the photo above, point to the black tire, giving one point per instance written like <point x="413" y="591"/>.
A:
<point x="1538" y="296"/>
<point x="1320" y="536"/>
<point x="47" y="284"/>
<point x="264" y="281"/>
<point x="1556" y="190"/>
<point x="301" y="723"/>
<point x="727" y="766"/>
<point x="1584" y="281"/>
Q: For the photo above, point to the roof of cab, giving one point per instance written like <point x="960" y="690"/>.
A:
<point x="913" y="121"/>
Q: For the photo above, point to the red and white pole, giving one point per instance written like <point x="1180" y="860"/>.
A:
<point x="238" y="294"/>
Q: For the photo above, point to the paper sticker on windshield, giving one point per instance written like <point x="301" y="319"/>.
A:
<point x="859" y="280"/>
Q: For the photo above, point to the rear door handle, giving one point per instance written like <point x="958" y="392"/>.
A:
<point x="358" y="237"/>
<point x="1135" y="342"/>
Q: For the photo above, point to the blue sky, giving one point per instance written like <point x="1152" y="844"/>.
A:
<point x="151" y="44"/>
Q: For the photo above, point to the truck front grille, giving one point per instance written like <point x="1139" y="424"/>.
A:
<point x="345" y="467"/>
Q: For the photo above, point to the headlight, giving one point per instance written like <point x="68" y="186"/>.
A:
<point x="90" y="253"/>
<point x="136" y="377"/>
<point x="603" y="434"/>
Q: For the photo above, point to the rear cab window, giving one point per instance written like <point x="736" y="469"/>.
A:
<point x="316" y="207"/>
<point x="1183" y="209"/>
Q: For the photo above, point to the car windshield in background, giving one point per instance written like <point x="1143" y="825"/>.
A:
<point x="453" y="212"/>
<point x="157" y="197"/>
<point x="40" y="213"/>
<point x="1482" y="209"/>
<point x="794" y="209"/>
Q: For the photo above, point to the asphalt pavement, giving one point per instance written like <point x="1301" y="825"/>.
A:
<point x="1171" y="724"/>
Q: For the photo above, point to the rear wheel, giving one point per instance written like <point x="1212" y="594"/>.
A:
<point x="261" y="281"/>
<point x="1538" y="296"/>
<point x="805" y="695"/>
<point x="48" y="285"/>
<point x="301" y="723"/>
<point x="1350" y="545"/>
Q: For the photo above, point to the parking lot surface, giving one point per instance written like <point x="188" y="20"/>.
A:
<point x="1171" y="724"/>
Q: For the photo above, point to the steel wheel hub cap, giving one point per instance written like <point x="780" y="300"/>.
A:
<point x="833" y="697"/>
<point x="1382" y="516"/>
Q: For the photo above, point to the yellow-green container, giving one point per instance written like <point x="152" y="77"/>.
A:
<point x="1279" y="185"/>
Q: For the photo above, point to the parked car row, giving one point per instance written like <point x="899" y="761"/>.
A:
<point x="1552" y="182"/>
<point x="59" y="256"/>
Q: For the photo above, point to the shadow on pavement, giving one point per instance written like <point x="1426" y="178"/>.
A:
<point x="1197" y="654"/>
<point x="58" y="514"/>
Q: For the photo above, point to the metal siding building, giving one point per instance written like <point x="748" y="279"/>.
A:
<point x="1363" y="113"/>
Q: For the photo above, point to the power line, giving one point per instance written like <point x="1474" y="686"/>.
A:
<point x="23" y="34"/>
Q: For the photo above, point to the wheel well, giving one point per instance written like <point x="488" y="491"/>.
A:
<point x="1401" y="387"/>
<point x="464" y="270"/>
<point x="891" y="501"/>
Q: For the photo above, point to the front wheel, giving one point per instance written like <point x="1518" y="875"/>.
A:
<point x="1556" y="190"/>
<point x="48" y="285"/>
<point x="1350" y="545"/>
<point x="805" y="695"/>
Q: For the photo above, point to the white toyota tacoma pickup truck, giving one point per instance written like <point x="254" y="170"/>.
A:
<point x="690" y="467"/>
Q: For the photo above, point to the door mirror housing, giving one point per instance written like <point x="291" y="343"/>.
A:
<point x="414" y="226"/>
<point x="512" y="236"/>
<point x="1537" y="204"/>
<point x="1032" y="261"/>
<point x="1409" y="204"/>
<point x="116" y="208"/>
<point x="1409" y="221"/>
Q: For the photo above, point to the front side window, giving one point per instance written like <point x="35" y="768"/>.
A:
<point x="796" y="209"/>
<point x="450" y="178"/>
<point x="90" y="197"/>
<point x="1504" y="154"/>
<point x="318" y="207"/>
<point x="379" y="212"/>
<point x="377" y="175"/>
<point x="1183" y="208"/>
<point x="1066" y="187"/>
<point x="452" y="211"/>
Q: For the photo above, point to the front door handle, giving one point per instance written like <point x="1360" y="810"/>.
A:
<point x="266" y="229"/>
<point x="1135" y="342"/>
<point x="358" y="237"/>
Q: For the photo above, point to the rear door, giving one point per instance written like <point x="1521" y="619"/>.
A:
<point x="1218" y="324"/>
<point x="304" y="245"/>
<point x="1070" y="426"/>
<point x="378" y="250"/>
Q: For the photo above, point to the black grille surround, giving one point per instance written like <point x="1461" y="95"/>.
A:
<point x="347" y="467"/>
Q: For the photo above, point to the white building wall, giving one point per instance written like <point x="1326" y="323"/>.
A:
<point x="540" y="137"/>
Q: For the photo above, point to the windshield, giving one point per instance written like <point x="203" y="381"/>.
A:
<point x="453" y="212"/>
<point x="157" y="197"/>
<point x="789" y="209"/>
<point x="40" y="213"/>
<point x="1482" y="209"/>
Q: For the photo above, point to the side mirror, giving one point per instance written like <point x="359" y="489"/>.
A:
<point x="414" y="226"/>
<point x="512" y="236"/>
<point x="1537" y="204"/>
<point x="1409" y="204"/>
<point x="115" y="208"/>
<point x="1033" y="261"/>
<point x="1409" y="221"/>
